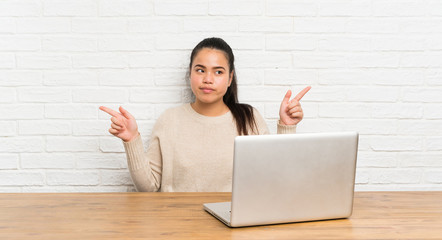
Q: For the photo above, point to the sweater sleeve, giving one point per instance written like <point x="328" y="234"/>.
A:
<point x="145" y="167"/>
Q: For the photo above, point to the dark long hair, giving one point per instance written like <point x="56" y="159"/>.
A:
<point x="242" y="113"/>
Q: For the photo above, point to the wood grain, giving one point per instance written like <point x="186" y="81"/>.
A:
<point x="376" y="215"/>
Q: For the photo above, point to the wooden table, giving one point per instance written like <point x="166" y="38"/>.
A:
<point x="377" y="215"/>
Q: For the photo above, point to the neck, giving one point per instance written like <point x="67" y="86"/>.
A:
<point x="210" y="110"/>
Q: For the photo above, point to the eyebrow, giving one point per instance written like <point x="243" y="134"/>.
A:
<point x="202" y="66"/>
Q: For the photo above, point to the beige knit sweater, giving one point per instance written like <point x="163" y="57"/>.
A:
<point x="188" y="152"/>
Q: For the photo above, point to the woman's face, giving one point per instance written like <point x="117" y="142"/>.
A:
<point x="209" y="76"/>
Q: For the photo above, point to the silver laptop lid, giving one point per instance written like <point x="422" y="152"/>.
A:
<point x="293" y="177"/>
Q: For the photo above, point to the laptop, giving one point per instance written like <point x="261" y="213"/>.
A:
<point x="289" y="178"/>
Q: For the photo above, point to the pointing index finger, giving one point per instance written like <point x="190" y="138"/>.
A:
<point x="302" y="93"/>
<point x="110" y="111"/>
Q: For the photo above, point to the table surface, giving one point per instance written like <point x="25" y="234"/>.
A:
<point x="376" y="215"/>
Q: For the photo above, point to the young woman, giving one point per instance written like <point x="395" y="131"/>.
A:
<point x="191" y="146"/>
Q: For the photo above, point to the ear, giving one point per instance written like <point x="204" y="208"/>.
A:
<point x="230" y="78"/>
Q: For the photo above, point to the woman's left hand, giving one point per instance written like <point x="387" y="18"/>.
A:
<point x="290" y="112"/>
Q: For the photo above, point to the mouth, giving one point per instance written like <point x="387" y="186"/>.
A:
<point x="207" y="90"/>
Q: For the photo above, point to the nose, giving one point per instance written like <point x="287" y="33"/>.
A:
<point x="208" y="78"/>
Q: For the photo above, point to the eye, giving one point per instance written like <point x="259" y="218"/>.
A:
<point x="200" y="70"/>
<point x="219" y="72"/>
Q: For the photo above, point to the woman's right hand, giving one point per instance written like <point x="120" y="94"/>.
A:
<point x="123" y="124"/>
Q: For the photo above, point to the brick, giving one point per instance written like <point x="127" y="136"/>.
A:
<point x="155" y="95"/>
<point x="420" y="159"/>
<point x="20" y="8"/>
<point x="43" y="25"/>
<point x="7" y="25"/>
<point x="402" y="43"/>
<point x="345" y="110"/>
<point x="345" y="8"/>
<point x="362" y="177"/>
<point x="125" y="8"/>
<point x="125" y="44"/>
<point x="8" y="161"/>
<point x="372" y="25"/>
<point x="319" y="25"/>
<point x="69" y="44"/>
<point x="376" y="160"/>
<point x="70" y="78"/>
<point x="323" y="93"/>
<point x="155" y="25"/>
<point x="8" y="128"/>
<point x="19" y="43"/>
<point x="435" y="7"/>
<point x="396" y="143"/>
<point x="7" y="95"/>
<point x="370" y="126"/>
<point x="372" y="94"/>
<point x="157" y="60"/>
<point x="344" y="44"/>
<point x="432" y="111"/>
<point x="44" y="127"/>
<point x="393" y="8"/>
<point x="373" y="60"/>
<point x="181" y="7"/>
<point x="321" y="60"/>
<point x="433" y="144"/>
<point x="261" y="94"/>
<point x="22" y="178"/>
<point x="129" y="77"/>
<point x="263" y="60"/>
<point x="169" y="77"/>
<point x="344" y="77"/>
<point x="99" y="95"/>
<point x="98" y="25"/>
<point x="78" y="8"/>
<point x="397" y="110"/>
<point x="400" y="176"/>
<point x="42" y="94"/>
<point x="421" y="26"/>
<point x="47" y="160"/>
<point x="245" y="42"/>
<point x="90" y="128"/>
<point x="115" y="178"/>
<point x="7" y="61"/>
<point x="260" y="24"/>
<point x="430" y="95"/>
<point x="43" y="61"/>
<point x="213" y="24"/>
<point x="420" y="127"/>
<point x="422" y="60"/>
<point x="291" y="8"/>
<point x="290" y="77"/>
<point x="433" y="176"/>
<point x="177" y="41"/>
<point x="433" y="77"/>
<point x="249" y="76"/>
<point x="235" y="8"/>
<point x="111" y="145"/>
<point x="71" y="111"/>
<point x="21" y="144"/>
<point x="20" y="78"/>
<point x="69" y="143"/>
<point x="395" y="77"/>
<point x="100" y="60"/>
<point x="21" y="111"/>
<point x="83" y="178"/>
<point x="101" y="160"/>
<point x="283" y="42"/>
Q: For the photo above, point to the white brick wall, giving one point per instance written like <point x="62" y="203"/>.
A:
<point x="375" y="67"/>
